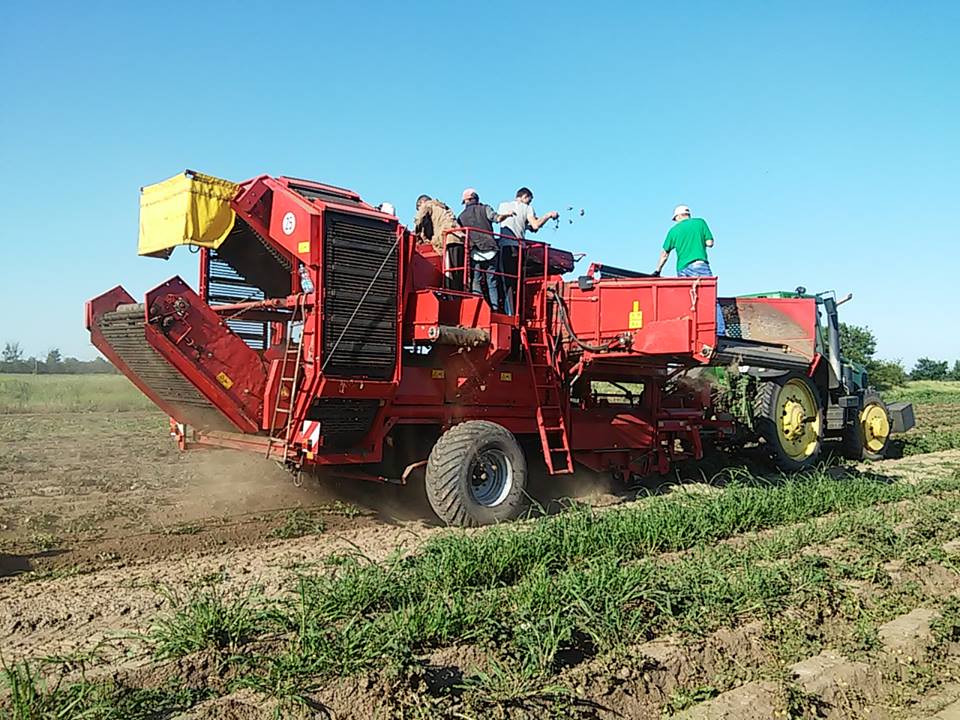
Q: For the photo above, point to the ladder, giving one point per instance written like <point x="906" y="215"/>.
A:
<point x="551" y="417"/>
<point x="288" y="383"/>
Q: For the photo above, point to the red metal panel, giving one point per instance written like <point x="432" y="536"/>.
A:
<point x="666" y="317"/>
<point x="785" y="321"/>
<point x="108" y="302"/>
<point x="193" y="338"/>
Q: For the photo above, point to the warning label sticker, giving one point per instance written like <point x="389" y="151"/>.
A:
<point x="636" y="316"/>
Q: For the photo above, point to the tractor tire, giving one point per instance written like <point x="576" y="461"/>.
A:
<point x="788" y="415"/>
<point x="868" y="437"/>
<point x="477" y="475"/>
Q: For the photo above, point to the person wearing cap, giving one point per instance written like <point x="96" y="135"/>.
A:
<point x="478" y="219"/>
<point x="433" y="223"/>
<point x="521" y="217"/>
<point x="689" y="237"/>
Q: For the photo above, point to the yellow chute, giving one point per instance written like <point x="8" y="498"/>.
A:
<point x="187" y="209"/>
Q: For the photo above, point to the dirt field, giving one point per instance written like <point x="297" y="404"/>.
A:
<point x="139" y="582"/>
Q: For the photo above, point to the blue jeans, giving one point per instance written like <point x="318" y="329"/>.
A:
<point x="700" y="268"/>
<point x="509" y="268"/>
<point x="484" y="281"/>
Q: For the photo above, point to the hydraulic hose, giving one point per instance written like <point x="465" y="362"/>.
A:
<point x="565" y="321"/>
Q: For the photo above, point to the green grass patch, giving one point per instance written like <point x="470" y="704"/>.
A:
<point x="924" y="392"/>
<point x="581" y="578"/>
<point x="27" y="695"/>
<point x="927" y="441"/>
<point x="299" y="523"/>
<point x="207" y="619"/>
<point x="582" y="583"/>
<point x="69" y="394"/>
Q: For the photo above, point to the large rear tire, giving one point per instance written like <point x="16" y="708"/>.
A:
<point x="477" y="475"/>
<point x="868" y="437"/>
<point x="789" y="417"/>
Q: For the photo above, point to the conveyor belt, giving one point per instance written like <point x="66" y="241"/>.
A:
<point x="761" y="355"/>
<point x="123" y="329"/>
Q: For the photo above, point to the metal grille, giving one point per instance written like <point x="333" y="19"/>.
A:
<point x="343" y="422"/>
<point x="731" y="319"/>
<point x="353" y="251"/>
<point x="323" y="195"/>
<point x="225" y="285"/>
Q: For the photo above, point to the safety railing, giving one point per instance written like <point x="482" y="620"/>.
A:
<point x="497" y="275"/>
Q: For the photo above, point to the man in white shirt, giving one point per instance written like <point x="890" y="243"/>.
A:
<point x="520" y="218"/>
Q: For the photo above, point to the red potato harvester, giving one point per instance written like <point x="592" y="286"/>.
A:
<point x="321" y="334"/>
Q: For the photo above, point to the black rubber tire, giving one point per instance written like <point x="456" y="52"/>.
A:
<point x="852" y="442"/>
<point x="450" y="468"/>
<point x="766" y="421"/>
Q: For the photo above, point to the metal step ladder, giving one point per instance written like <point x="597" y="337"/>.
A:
<point x="285" y="402"/>
<point x="551" y="416"/>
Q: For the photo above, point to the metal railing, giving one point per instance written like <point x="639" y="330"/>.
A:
<point x="459" y="273"/>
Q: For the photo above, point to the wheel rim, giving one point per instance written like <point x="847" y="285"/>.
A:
<point x="876" y="427"/>
<point x="491" y="477"/>
<point x="798" y="425"/>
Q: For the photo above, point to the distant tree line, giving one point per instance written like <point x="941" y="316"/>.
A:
<point x="927" y="369"/>
<point x="859" y="345"/>
<point x="13" y="361"/>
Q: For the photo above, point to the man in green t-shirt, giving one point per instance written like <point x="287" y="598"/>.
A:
<point x="690" y="237"/>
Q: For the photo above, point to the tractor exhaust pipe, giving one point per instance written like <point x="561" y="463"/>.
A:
<point x="833" y="339"/>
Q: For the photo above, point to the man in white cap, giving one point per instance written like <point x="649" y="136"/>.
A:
<point x="690" y="237"/>
<point x="477" y="220"/>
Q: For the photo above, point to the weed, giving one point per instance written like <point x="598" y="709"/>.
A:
<point x="946" y="628"/>
<point x="918" y="443"/>
<point x="44" y="541"/>
<point x="505" y="686"/>
<point x="31" y="697"/>
<point x="339" y="507"/>
<point x="183" y="530"/>
<point x="207" y="619"/>
<point x="297" y="524"/>
<point x="683" y="697"/>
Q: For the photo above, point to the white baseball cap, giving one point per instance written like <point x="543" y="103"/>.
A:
<point x="680" y="210"/>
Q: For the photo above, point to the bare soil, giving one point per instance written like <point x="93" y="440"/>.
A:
<point x="101" y="519"/>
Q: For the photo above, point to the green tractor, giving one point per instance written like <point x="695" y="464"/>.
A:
<point x="792" y="412"/>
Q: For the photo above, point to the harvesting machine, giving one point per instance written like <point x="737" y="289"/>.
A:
<point x="321" y="334"/>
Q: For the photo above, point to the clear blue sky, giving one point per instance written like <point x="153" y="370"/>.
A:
<point x="820" y="140"/>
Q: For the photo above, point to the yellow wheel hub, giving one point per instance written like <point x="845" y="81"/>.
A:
<point x="799" y="420"/>
<point x="876" y="427"/>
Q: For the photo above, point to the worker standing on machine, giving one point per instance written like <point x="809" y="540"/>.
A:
<point x="520" y="218"/>
<point x="690" y="237"/>
<point x="484" y="251"/>
<point x="431" y="223"/>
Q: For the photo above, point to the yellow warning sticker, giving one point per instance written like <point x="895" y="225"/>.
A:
<point x="506" y="377"/>
<point x="224" y="380"/>
<point x="303" y="247"/>
<point x="438" y="374"/>
<point x="636" y="316"/>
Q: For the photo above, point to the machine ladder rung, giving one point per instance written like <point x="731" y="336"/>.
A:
<point x="295" y="354"/>
<point x="550" y="417"/>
